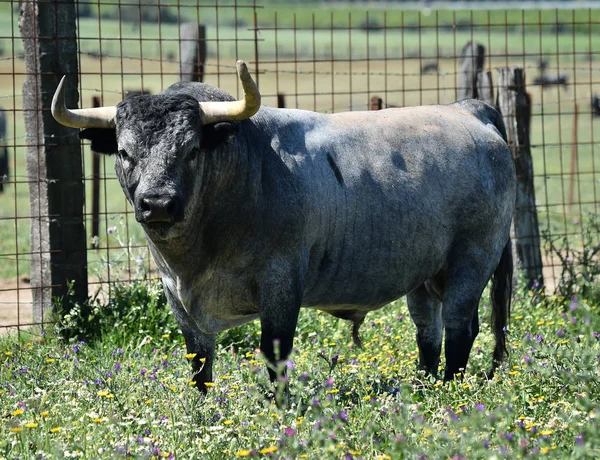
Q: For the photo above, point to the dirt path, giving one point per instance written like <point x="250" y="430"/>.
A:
<point x="15" y="304"/>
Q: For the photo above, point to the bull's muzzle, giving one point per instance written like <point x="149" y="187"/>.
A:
<point x="157" y="209"/>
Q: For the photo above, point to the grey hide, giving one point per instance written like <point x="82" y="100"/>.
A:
<point x="344" y="213"/>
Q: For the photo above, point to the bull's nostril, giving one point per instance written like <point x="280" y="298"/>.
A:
<point x="144" y="205"/>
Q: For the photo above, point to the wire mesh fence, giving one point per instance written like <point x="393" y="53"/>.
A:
<point x="331" y="61"/>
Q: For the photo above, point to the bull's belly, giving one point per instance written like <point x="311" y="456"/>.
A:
<point x="366" y="289"/>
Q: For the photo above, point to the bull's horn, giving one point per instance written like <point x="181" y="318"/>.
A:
<point x="100" y="117"/>
<point x="213" y="112"/>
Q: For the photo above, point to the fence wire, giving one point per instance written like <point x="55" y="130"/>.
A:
<point x="327" y="61"/>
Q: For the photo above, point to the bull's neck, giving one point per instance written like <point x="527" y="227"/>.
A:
<point x="220" y="213"/>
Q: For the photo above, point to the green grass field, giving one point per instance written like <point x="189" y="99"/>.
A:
<point x="127" y="394"/>
<point x="365" y="63"/>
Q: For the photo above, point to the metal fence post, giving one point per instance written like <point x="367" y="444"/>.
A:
<point x="53" y="154"/>
<point x="515" y="105"/>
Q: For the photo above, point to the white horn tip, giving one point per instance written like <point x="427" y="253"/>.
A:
<point x="58" y="101"/>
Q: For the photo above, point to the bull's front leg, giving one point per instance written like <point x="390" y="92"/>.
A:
<point x="201" y="345"/>
<point x="279" y="300"/>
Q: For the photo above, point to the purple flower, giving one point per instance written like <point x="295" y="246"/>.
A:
<point x="343" y="416"/>
<point x="527" y="359"/>
<point x="508" y="436"/>
<point x="117" y="367"/>
<point x="109" y="375"/>
<point x="110" y="230"/>
<point x="288" y="431"/>
<point x="528" y="337"/>
<point x="479" y="407"/>
<point x="143" y="371"/>
<point x="329" y="382"/>
<point x="573" y="320"/>
<point x="596" y="335"/>
<point x="579" y="440"/>
<point x="586" y="320"/>
<point x="539" y="338"/>
<point x="290" y="364"/>
<point x="75" y="348"/>
<point x="560" y="332"/>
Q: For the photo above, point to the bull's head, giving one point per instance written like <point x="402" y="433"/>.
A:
<point x="158" y="139"/>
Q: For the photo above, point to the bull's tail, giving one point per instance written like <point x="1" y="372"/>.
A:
<point x="500" y="297"/>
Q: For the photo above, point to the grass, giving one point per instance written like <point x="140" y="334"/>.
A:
<point x="127" y="392"/>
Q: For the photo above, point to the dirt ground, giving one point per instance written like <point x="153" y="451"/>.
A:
<point x="15" y="303"/>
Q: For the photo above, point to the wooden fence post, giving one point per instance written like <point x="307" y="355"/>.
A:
<point x="376" y="103"/>
<point x="95" y="241"/>
<point x="485" y="87"/>
<point x="280" y="101"/>
<point x="192" y="51"/>
<point x="53" y="155"/>
<point x="515" y="105"/>
<point x="472" y="56"/>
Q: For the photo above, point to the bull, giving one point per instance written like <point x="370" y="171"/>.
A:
<point x="253" y="212"/>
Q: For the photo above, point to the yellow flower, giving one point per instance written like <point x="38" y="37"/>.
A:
<point x="546" y="432"/>
<point x="8" y="353"/>
<point x="545" y="450"/>
<point x="268" y="450"/>
<point x="243" y="453"/>
<point x="31" y="425"/>
<point x="209" y="384"/>
<point x="191" y="355"/>
<point x="228" y="422"/>
<point x="17" y="412"/>
<point x="44" y="413"/>
<point x="97" y="420"/>
<point x="50" y="360"/>
<point x="56" y="429"/>
<point x="165" y="336"/>
<point x="102" y="393"/>
<point x="16" y="429"/>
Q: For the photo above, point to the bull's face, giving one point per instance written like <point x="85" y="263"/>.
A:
<point x="158" y="141"/>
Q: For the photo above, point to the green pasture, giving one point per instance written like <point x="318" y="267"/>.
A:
<point x="329" y="69"/>
<point x="123" y="390"/>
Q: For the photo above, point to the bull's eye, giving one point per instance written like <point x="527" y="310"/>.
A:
<point x="125" y="156"/>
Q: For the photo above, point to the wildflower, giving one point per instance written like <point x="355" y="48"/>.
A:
<point x="31" y="425"/>
<point x="480" y="407"/>
<point x="268" y="450"/>
<point x="16" y="429"/>
<point x="191" y="355"/>
<point x="539" y="338"/>
<point x="110" y="230"/>
<point x="56" y="429"/>
<point x="209" y="384"/>
<point x="117" y="367"/>
<point x="243" y="453"/>
<point x="44" y="413"/>
<point x="17" y="412"/>
<point x="227" y="422"/>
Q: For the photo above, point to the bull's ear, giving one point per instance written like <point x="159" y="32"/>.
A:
<point x="103" y="140"/>
<point x="217" y="134"/>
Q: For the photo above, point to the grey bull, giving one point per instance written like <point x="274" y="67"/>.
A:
<point x="252" y="212"/>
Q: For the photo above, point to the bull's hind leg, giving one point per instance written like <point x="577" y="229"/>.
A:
<point x="465" y="283"/>
<point x="426" y="312"/>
